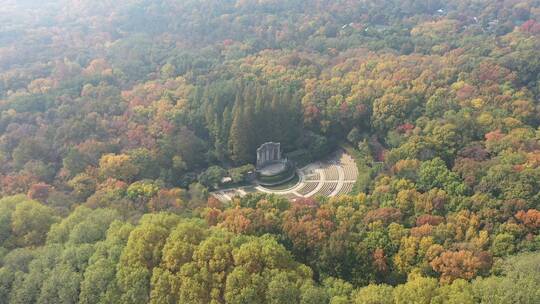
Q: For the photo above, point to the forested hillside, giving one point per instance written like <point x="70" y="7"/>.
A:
<point x="118" y="117"/>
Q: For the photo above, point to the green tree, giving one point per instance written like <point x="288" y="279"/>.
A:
<point x="142" y="253"/>
<point x="435" y="174"/>
<point x="503" y="244"/>
<point x="460" y="291"/>
<point x="374" y="294"/>
<point x="99" y="284"/>
<point x="212" y="176"/>
<point x="75" y="162"/>
<point x="239" y="140"/>
<point x="117" y="166"/>
<point x="30" y="222"/>
<point x="517" y="284"/>
<point x="82" y="226"/>
<point x="142" y="191"/>
<point x="83" y="186"/>
<point x="417" y="290"/>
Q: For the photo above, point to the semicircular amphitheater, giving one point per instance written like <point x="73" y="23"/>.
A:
<point x="333" y="176"/>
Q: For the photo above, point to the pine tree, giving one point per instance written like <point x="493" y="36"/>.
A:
<point x="250" y="128"/>
<point x="238" y="138"/>
<point x="260" y="117"/>
<point x="275" y="117"/>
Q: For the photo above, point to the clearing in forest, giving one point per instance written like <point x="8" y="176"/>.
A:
<point x="333" y="176"/>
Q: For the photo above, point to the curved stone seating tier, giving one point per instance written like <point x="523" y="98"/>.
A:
<point x="327" y="189"/>
<point x="231" y="193"/>
<point x="307" y="188"/>
<point x="347" y="188"/>
<point x="351" y="172"/>
<point x="312" y="177"/>
<point x="221" y="197"/>
<point x="346" y="159"/>
<point x="331" y="173"/>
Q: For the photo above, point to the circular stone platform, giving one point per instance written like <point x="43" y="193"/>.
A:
<point x="276" y="173"/>
<point x="273" y="169"/>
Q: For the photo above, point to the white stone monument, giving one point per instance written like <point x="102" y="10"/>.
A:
<point x="268" y="153"/>
<point x="272" y="167"/>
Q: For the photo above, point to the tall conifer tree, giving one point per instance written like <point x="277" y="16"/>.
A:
<point x="238" y="137"/>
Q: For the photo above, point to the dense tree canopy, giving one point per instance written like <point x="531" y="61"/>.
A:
<point x="117" y="119"/>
